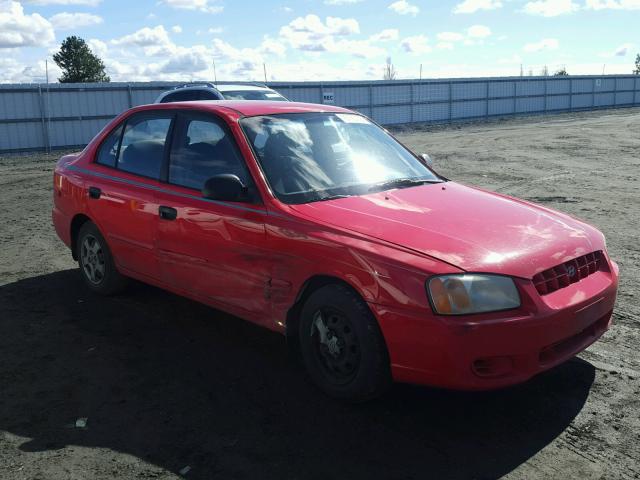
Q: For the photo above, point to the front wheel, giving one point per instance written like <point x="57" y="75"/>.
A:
<point x="96" y="263"/>
<point x="341" y="345"/>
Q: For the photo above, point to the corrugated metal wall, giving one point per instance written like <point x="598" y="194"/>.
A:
<point x="64" y="115"/>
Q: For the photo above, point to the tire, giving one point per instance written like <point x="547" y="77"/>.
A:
<point x="341" y="345"/>
<point x="96" y="263"/>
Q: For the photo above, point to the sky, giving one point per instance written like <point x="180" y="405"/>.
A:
<point x="179" y="40"/>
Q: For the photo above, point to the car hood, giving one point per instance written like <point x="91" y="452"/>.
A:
<point x="466" y="227"/>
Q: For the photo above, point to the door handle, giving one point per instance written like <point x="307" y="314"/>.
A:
<point x="94" y="192"/>
<point x="167" y="213"/>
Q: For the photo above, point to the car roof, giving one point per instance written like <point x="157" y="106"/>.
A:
<point x="246" y="107"/>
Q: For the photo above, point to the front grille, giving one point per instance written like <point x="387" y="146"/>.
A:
<point x="567" y="273"/>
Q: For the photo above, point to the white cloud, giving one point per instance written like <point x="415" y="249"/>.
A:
<point x="403" y="7"/>
<point x="194" y="59"/>
<point x="622" y="50"/>
<point x="176" y="29"/>
<point x="478" y="31"/>
<point x="472" y="6"/>
<point x="359" y="48"/>
<point x="311" y="34"/>
<point x="155" y="40"/>
<point x="551" y="8"/>
<point x="215" y="30"/>
<point x="341" y="2"/>
<point x="87" y="3"/>
<point x="144" y="37"/>
<point x="20" y="30"/>
<point x="269" y="46"/>
<point x="206" y="6"/>
<point x="70" y="21"/>
<point x="12" y="71"/>
<point x="474" y="35"/>
<point x="613" y="4"/>
<point x="97" y="46"/>
<point x="417" y="44"/>
<point x="385" y="35"/>
<point x="545" y="44"/>
<point x="450" y="36"/>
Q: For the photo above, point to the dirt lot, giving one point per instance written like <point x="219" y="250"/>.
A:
<point x="166" y="383"/>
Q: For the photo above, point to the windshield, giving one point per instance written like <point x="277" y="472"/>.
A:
<point x="308" y="157"/>
<point x="253" y="95"/>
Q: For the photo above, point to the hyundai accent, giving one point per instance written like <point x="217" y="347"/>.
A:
<point x="315" y="222"/>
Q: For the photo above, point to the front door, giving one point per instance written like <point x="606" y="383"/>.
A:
<point x="213" y="249"/>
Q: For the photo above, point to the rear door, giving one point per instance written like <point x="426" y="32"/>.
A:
<point x="211" y="248"/>
<point x="122" y="189"/>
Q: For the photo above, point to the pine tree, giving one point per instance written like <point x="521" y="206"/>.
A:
<point x="79" y="63"/>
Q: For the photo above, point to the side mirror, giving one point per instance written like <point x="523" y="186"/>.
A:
<point x="427" y="159"/>
<point x="225" y="186"/>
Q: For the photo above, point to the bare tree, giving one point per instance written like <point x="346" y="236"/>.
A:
<point x="561" y="73"/>
<point x="637" y="70"/>
<point x="389" y="70"/>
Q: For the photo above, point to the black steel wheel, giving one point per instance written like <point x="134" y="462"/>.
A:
<point x="341" y="344"/>
<point x="335" y="345"/>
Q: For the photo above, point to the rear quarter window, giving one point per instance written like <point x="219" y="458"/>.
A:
<point x="108" y="151"/>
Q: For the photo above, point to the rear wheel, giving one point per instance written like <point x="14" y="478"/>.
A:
<point x="341" y="344"/>
<point x="96" y="263"/>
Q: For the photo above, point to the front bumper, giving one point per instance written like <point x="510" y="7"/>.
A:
<point x="488" y="351"/>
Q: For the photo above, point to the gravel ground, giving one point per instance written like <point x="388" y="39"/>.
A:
<point x="168" y="385"/>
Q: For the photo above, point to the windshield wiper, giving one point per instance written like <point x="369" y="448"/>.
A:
<point x="401" y="182"/>
<point x="331" y="197"/>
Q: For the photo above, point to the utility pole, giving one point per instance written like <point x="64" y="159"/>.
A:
<point x="420" y="71"/>
<point x="46" y="73"/>
<point x="264" y="69"/>
<point x="215" y="77"/>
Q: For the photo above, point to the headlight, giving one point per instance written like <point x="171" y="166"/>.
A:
<point x="472" y="293"/>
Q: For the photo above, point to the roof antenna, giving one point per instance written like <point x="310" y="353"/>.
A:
<point x="215" y="77"/>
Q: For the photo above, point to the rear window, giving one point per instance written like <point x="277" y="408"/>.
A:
<point x="254" y="95"/>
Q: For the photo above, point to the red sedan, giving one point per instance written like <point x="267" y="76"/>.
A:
<point x="313" y="221"/>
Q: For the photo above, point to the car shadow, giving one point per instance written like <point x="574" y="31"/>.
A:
<point x="175" y="383"/>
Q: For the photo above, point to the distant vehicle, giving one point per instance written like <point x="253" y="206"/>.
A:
<point x="220" y="91"/>
<point x="313" y="221"/>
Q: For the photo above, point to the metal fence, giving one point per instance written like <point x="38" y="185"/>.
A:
<point x="46" y="116"/>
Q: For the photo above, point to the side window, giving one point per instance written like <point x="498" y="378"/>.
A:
<point x="108" y="152"/>
<point x="142" y="145"/>
<point x="204" y="148"/>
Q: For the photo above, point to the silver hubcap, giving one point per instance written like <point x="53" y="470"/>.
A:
<point x="92" y="259"/>
<point x="327" y="338"/>
<point x="335" y="345"/>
